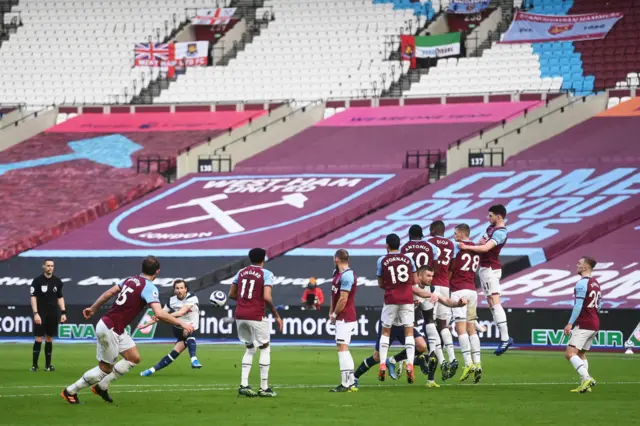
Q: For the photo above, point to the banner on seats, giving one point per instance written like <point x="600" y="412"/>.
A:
<point x="468" y="6"/>
<point x="214" y="16"/>
<point x="436" y="46"/>
<point x="534" y="28"/>
<point x="167" y="55"/>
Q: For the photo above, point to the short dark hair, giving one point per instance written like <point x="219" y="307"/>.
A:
<point x="415" y="231"/>
<point x="48" y="260"/>
<point x="150" y="265"/>
<point x="342" y="255"/>
<point x="257" y="255"/>
<point x="590" y="261"/>
<point x="423" y="269"/>
<point x="437" y="227"/>
<point x="499" y="210"/>
<point x="393" y="241"/>
<point x="463" y="227"/>
<point x="180" y="281"/>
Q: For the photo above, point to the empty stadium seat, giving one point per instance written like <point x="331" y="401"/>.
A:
<point x="70" y="52"/>
<point x="308" y="52"/>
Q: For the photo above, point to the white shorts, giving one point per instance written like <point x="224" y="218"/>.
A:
<point x="111" y="344"/>
<point x="344" y="330"/>
<point x="441" y="311"/>
<point x="490" y="280"/>
<point x="465" y="313"/>
<point x="582" y="339"/>
<point x="250" y="332"/>
<point x="402" y="315"/>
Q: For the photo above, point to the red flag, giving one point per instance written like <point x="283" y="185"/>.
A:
<point x="408" y="49"/>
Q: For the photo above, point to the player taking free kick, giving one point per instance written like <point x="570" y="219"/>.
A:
<point x="251" y="289"/>
<point x="134" y="294"/>
<point x="584" y="321"/>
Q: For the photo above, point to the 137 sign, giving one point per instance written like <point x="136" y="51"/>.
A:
<point x="476" y="159"/>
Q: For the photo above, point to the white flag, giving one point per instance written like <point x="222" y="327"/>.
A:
<point x="214" y="16"/>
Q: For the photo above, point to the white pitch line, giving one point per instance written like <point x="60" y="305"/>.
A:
<point x="225" y="387"/>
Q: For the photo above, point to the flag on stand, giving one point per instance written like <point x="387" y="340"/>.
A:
<point x="214" y="16"/>
<point x="152" y="54"/>
<point x="436" y="46"/>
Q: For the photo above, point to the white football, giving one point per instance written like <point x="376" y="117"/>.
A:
<point x="218" y="298"/>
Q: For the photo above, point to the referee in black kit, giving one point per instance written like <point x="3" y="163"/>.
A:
<point x="46" y="299"/>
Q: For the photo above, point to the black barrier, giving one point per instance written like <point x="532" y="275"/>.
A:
<point x="541" y="327"/>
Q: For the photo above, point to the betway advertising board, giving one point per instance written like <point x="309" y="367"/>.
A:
<point x="550" y="210"/>
<point x="226" y="215"/>
<point x="527" y="327"/>
<point x="552" y="284"/>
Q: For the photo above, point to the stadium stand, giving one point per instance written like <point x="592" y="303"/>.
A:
<point x="308" y="52"/>
<point x="614" y="60"/>
<point x="86" y="167"/>
<point x="55" y="57"/>
<point x="379" y="138"/>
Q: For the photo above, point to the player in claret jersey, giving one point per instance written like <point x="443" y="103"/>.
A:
<point x="490" y="271"/>
<point x="396" y="272"/>
<point x="134" y="294"/>
<point x="342" y="313"/>
<point x="462" y="281"/>
<point x="584" y="321"/>
<point x="445" y="249"/>
<point x="425" y="253"/>
<point x="251" y="289"/>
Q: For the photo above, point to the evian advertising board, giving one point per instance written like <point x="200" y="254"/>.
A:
<point x="227" y="215"/>
<point x="550" y="210"/>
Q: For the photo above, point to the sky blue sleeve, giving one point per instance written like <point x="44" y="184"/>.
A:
<point x="150" y="293"/>
<point x="499" y="236"/>
<point x="581" y="293"/>
<point x="435" y="251"/>
<point x="347" y="281"/>
<point x="456" y="249"/>
<point x="235" y="279"/>
<point x="379" y="268"/>
<point x="268" y="277"/>
<point x="581" y="288"/>
<point x="413" y="265"/>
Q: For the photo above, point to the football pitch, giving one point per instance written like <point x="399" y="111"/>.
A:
<point x="518" y="388"/>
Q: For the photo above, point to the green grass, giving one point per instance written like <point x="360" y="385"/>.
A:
<point x="519" y="388"/>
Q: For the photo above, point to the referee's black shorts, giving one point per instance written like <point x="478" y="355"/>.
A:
<point x="49" y="326"/>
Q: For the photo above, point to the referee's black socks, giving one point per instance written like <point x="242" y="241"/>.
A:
<point x="48" y="348"/>
<point x="36" y="352"/>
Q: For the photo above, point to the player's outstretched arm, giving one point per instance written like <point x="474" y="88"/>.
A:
<point x="233" y="292"/>
<point x="447" y="301"/>
<point x="165" y="317"/>
<point x="104" y="298"/>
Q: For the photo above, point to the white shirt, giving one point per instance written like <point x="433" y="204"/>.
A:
<point x="193" y="315"/>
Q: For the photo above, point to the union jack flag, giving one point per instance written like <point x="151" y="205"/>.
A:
<point x="152" y="52"/>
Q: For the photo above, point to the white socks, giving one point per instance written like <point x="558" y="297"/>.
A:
<point x="265" y="363"/>
<point x="89" y="378"/>
<point x="580" y="366"/>
<point x="247" y="360"/>
<point x="474" y="341"/>
<point x="346" y="368"/>
<point x="500" y="317"/>
<point x="435" y="344"/>
<point x="121" y="368"/>
<point x="465" y="348"/>
<point x="384" y="348"/>
<point x="447" y="340"/>
<point x="410" y="346"/>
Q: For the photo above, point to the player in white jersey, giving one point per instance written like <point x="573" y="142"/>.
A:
<point x="182" y="304"/>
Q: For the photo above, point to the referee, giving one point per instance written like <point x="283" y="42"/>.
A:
<point x="46" y="300"/>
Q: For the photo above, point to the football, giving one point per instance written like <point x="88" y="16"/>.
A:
<point x="218" y="298"/>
